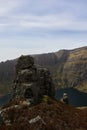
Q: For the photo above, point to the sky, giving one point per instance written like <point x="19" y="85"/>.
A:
<point x="41" y="26"/>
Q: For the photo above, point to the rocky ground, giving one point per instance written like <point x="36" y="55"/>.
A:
<point x="47" y="115"/>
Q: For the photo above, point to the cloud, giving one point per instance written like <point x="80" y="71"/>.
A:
<point x="42" y="25"/>
<point x="36" y="46"/>
<point x="19" y="15"/>
<point x="7" y="6"/>
<point x="53" y="22"/>
<point x="47" y="23"/>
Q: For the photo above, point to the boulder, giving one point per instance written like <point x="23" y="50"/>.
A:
<point x="24" y="62"/>
<point x="65" y="99"/>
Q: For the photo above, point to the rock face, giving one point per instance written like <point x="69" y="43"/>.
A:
<point x="32" y="82"/>
<point x="69" y="68"/>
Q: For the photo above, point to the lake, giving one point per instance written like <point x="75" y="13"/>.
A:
<point x="76" y="98"/>
<point x="5" y="99"/>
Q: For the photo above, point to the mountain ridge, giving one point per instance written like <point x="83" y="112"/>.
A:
<point x="68" y="68"/>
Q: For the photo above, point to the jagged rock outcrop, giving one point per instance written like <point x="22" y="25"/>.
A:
<point x="32" y="82"/>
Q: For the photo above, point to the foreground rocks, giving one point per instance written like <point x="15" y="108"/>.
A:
<point x="32" y="82"/>
<point x="45" y="116"/>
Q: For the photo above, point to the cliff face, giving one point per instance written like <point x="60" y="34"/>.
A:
<point x="68" y="68"/>
<point x="74" y="69"/>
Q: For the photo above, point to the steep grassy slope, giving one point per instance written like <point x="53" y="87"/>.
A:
<point x="68" y="67"/>
<point x="74" y="69"/>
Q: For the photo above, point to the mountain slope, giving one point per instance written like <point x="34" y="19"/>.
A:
<point x="68" y="68"/>
<point x="7" y="72"/>
<point x="74" y="69"/>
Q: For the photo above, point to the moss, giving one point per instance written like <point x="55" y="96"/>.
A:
<point x="46" y="99"/>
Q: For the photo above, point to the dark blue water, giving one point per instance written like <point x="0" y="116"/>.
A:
<point x="5" y="99"/>
<point x="76" y="98"/>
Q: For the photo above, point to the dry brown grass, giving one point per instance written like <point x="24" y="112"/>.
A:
<point x="56" y="115"/>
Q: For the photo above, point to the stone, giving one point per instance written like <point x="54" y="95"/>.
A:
<point x="24" y="62"/>
<point x="32" y="82"/>
<point x="36" y="119"/>
<point x="65" y="99"/>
